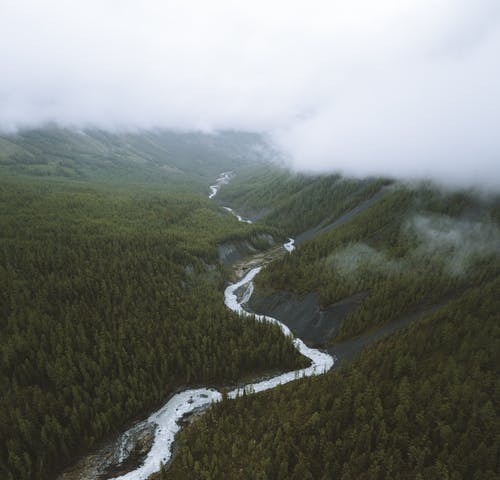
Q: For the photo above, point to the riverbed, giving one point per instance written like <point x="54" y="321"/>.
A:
<point x="163" y="424"/>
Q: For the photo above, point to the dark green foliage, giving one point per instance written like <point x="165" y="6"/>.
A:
<point x="295" y="202"/>
<point x="400" y="250"/>
<point x="110" y="299"/>
<point x="422" y="404"/>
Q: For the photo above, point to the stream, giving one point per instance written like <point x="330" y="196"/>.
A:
<point x="165" y="423"/>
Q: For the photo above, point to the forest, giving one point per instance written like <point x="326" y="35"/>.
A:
<point x="110" y="300"/>
<point x="421" y="404"/>
<point x="111" y="288"/>
<point x="413" y="246"/>
<point x="180" y="161"/>
<point x="295" y="202"/>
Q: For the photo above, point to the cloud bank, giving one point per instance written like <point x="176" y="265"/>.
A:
<point x="396" y="87"/>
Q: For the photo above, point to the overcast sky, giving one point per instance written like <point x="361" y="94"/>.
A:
<point x="403" y="87"/>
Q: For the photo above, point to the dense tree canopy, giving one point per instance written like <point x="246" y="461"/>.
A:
<point x="110" y="299"/>
<point x="422" y="404"/>
<point x="411" y="247"/>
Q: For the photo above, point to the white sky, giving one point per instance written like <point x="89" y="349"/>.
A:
<point x="399" y="87"/>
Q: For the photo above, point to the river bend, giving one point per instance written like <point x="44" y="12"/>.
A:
<point x="166" y="418"/>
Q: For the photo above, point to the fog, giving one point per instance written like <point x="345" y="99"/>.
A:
<point x="357" y="258"/>
<point x="459" y="242"/>
<point x="395" y="87"/>
<point x="453" y="245"/>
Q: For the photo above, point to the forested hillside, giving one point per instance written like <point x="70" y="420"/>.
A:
<point x="422" y="404"/>
<point x="111" y="286"/>
<point x="413" y="246"/>
<point x="295" y="202"/>
<point x="248" y="240"/>
<point x="183" y="161"/>
<point x="110" y="300"/>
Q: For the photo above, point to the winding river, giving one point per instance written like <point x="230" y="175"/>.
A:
<point x="166" y="418"/>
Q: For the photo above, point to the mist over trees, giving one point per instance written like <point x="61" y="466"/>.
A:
<point x="110" y="301"/>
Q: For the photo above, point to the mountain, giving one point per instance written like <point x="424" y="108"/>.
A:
<point x="183" y="160"/>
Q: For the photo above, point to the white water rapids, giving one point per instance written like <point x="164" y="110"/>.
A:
<point x="290" y="245"/>
<point x="239" y="217"/>
<point x="224" y="178"/>
<point x="187" y="401"/>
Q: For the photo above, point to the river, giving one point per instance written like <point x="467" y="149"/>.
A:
<point x="164" y="423"/>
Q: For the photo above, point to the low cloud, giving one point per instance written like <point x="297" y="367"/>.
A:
<point x="458" y="242"/>
<point x="395" y="87"/>
<point x="448" y="244"/>
<point x="359" y="257"/>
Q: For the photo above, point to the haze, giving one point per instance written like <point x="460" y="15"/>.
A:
<point x="401" y="88"/>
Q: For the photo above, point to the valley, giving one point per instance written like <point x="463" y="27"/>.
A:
<point x="165" y="423"/>
<point x="112" y="309"/>
<point x="250" y="240"/>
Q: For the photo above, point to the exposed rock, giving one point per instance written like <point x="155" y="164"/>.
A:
<point x="303" y="315"/>
<point x="116" y="457"/>
<point x="231" y="252"/>
<point x="322" y="228"/>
